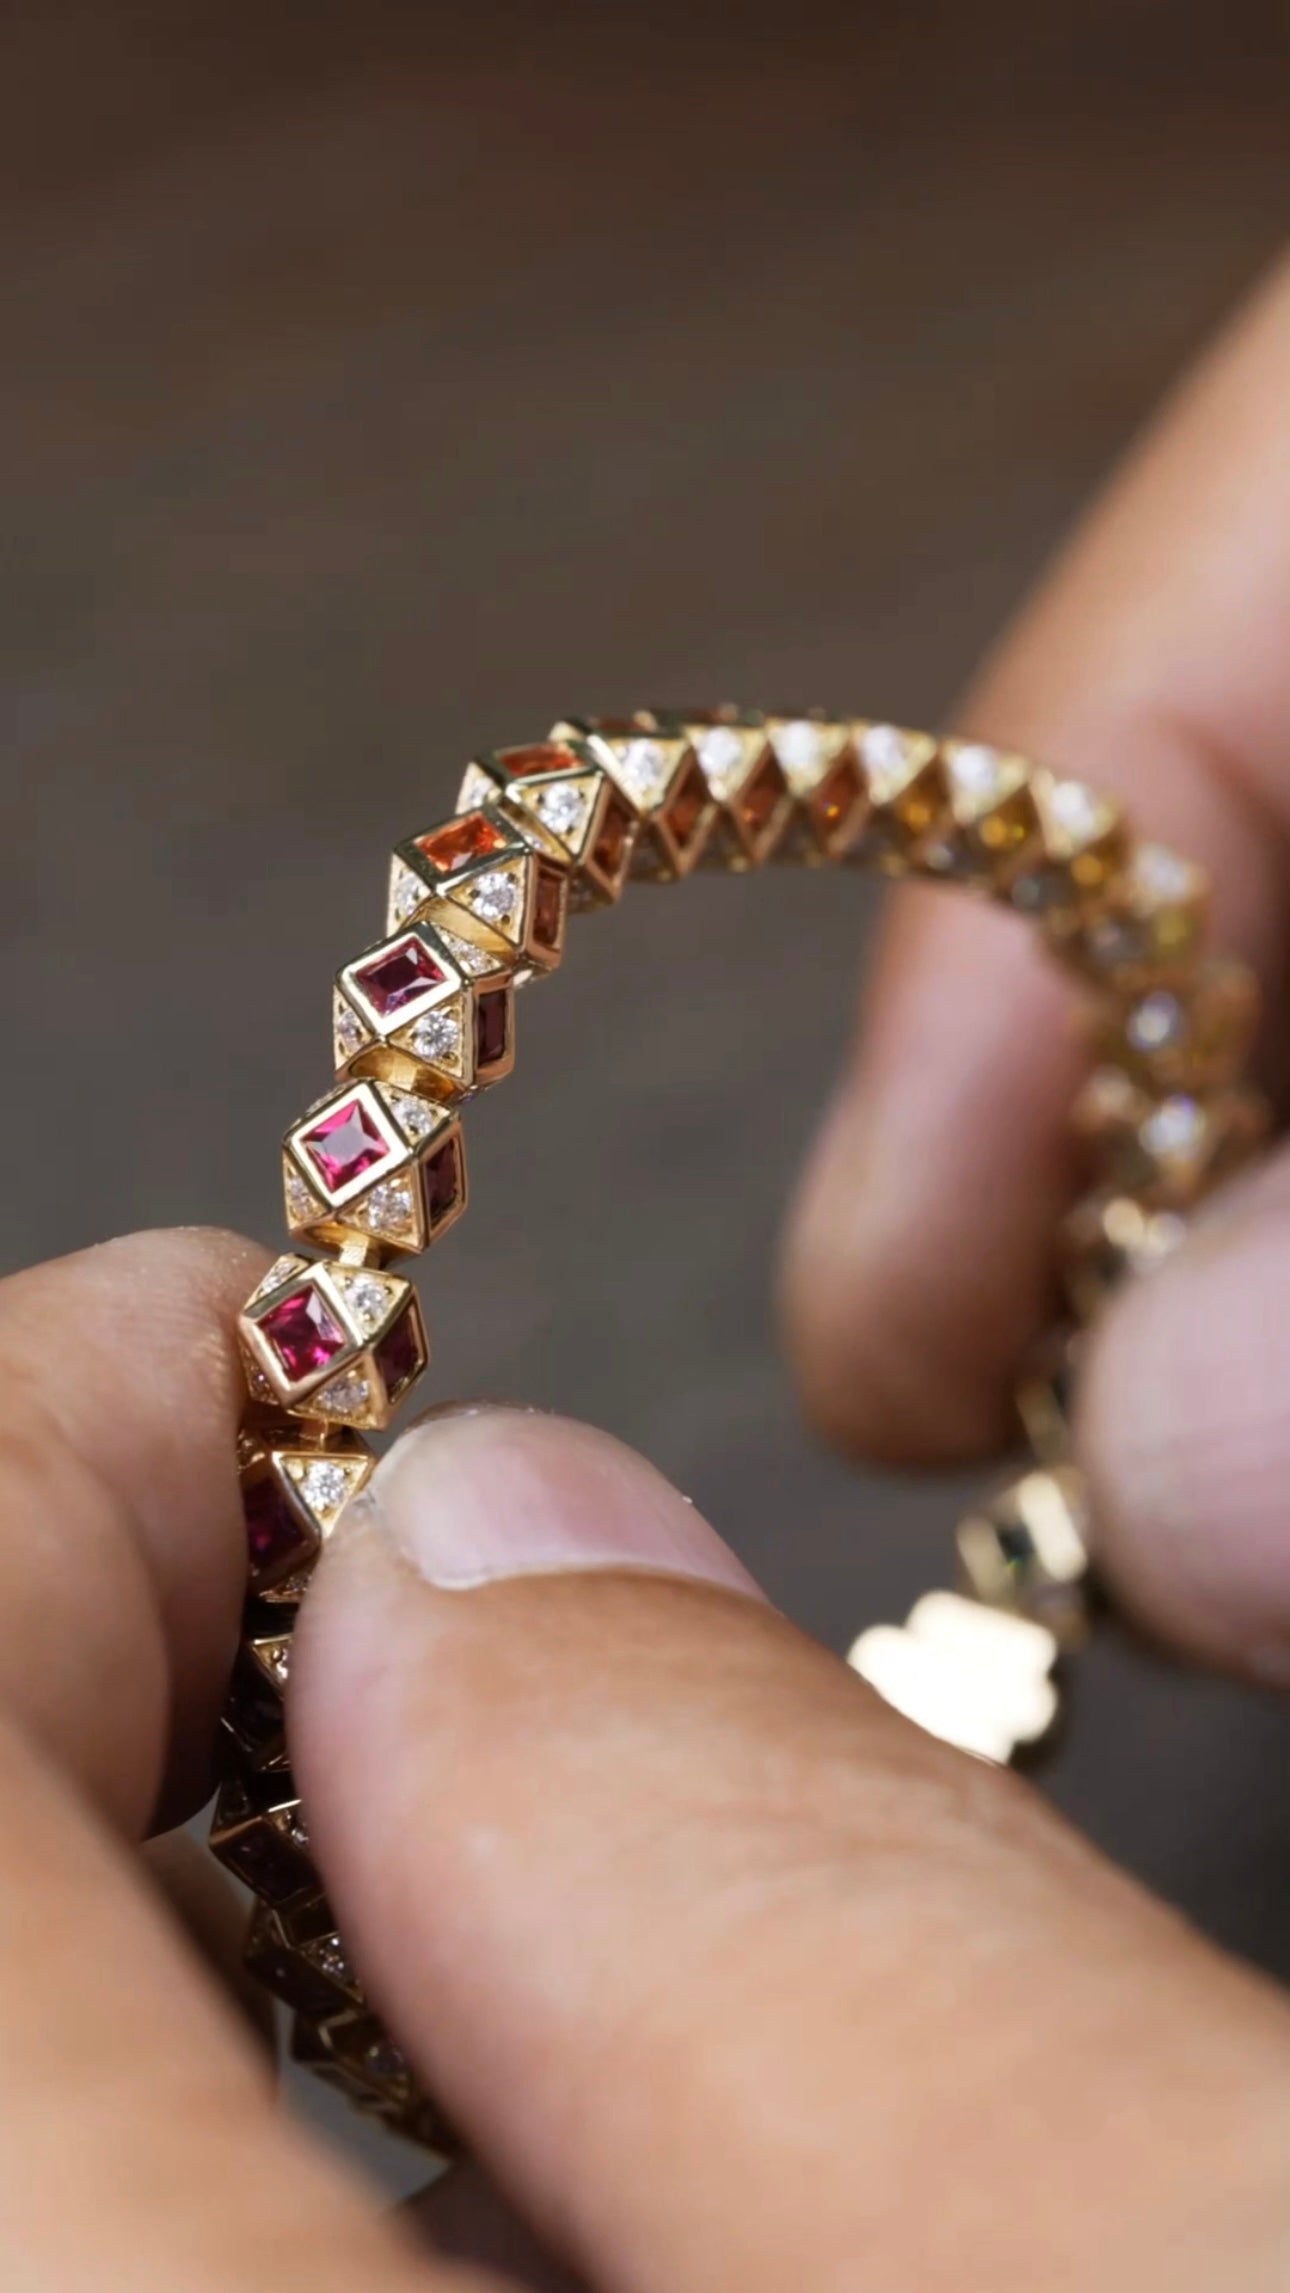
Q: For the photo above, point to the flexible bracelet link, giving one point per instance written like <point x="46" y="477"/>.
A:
<point x="479" y="906"/>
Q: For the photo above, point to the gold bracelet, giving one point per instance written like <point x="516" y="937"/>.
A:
<point x="376" y="1169"/>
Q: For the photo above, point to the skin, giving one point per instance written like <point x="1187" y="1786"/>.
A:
<point x="732" y="1978"/>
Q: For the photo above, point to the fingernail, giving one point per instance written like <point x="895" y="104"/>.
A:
<point x="477" y="1494"/>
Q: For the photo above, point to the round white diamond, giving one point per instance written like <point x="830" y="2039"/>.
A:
<point x="643" y="769"/>
<point x="721" y="752"/>
<point x="495" y="897"/>
<point x="300" y="1202"/>
<point x="349" y="1029"/>
<point x="406" y="893"/>
<point x="414" y="1115"/>
<point x="801" y="746"/>
<point x="472" y="959"/>
<point x="346" y="1395"/>
<point x="324" y="1486"/>
<point x="1175" y="1130"/>
<point x="1078" y="811"/>
<point x="1162" y="874"/>
<point x="388" y="1207"/>
<point x="368" y="1301"/>
<point x="978" y="771"/>
<point x="562" y="809"/>
<point x="885" y="749"/>
<point x="334" y="1960"/>
<point x="437" y="1036"/>
<point x="1155" y="1023"/>
<point x="280" y="1665"/>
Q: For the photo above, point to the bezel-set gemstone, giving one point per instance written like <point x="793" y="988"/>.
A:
<point x="461" y="842"/>
<point x="303" y="1333"/>
<point x="403" y="972"/>
<point x="492" y="1029"/>
<point x="345" y="1144"/>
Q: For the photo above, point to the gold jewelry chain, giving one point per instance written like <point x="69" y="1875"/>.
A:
<point x="375" y="1170"/>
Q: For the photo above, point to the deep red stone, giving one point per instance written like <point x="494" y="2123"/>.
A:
<point x="837" y="795"/>
<point x="345" y="1144"/>
<point x="611" y="844"/>
<point x="276" y="1541"/>
<point x="398" y="975"/>
<point x="762" y="795"/>
<point x="492" y="1029"/>
<point x="269" y="1864"/>
<point x="539" y="756"/>
<point x="472" y="838"/>
<point x="399" y="1358"/>
<point x="548" y="908"/>
<point x="303" y="1334"/>
<point x="688" y="806"/>
<point x="444" y="1182"/>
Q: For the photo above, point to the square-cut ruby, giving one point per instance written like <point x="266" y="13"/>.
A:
<point x="345" y="1144"/>
<point x="400" y="973"/>
<point x="611" y="844"/>
<point x="444" y="1182"/>
<point x="276" y="1540"/>
<point x="688" y="806"/>
<point x="473" y="837"/>
<point x="492" y="1029"/>
<point x="548" y="908"/>
<point x="303" y="1333"/>
<point x="539" y="756"/>
<point x="400" y="1357"/>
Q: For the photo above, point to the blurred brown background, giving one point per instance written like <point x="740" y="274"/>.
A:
<point x="379" y="382"/>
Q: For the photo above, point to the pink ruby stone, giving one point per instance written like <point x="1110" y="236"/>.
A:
<point x="345" y="1144"/>
<point x="303" y="1334"/>
<point x="399" y="975"/>
<point x="276" y="1541"/>
<point x="399" y="1357"/>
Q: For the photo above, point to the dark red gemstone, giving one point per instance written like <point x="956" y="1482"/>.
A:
<point x="399" y="1356"/>
<point x="398" y="975"/>
<point x="293" y="1980"/>
<point x="471" y="838"/>
<point x="611" y="844"/>
<point x="837" y="795"/>
<point x="444" y="1182"/>
<point x="539" y="756"/>
<point x="345" y="1144"/>
<point x="302" y="1333"/>
<point x="762" y="795"/>
<point x="253" y="1713"/>
<point x="688" y="806"/>
<point x="269" y="1864"/>
<point x="548" y="908"/>
<point x="492" y="1029"/>
<point x="277" y="1542"/>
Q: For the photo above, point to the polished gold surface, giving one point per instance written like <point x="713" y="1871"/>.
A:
<point x="375" y="1169"/>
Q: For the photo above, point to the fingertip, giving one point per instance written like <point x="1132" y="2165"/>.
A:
<point x="1182" y="1427"/>
<point x="917" y="1259"/>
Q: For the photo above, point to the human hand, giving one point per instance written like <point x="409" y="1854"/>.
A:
<point x="726" y="1972"/>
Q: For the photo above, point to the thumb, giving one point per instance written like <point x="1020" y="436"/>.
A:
<point x="1184" y="1427"/>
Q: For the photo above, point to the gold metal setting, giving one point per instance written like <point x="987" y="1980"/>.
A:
<point x="477" y="906"/>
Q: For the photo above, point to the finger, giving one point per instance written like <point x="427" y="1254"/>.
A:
<point x="122" y="2075"/>
<point x="1183" y="1427"/>
<point x="1153" y="662"/>
<point x="464" y="2217"/>
<point x="122" y="1558"/>
<point x="724" y="1966"/>
<point x="142" y="2145"/>
<point x="213" y="1916"/>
